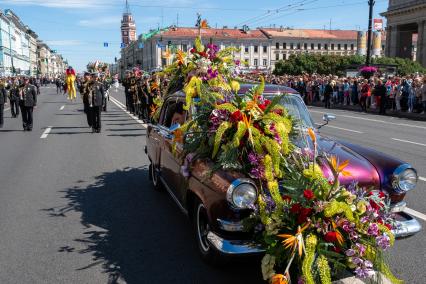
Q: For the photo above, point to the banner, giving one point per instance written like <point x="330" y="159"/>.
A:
<point x="378" y="24"/>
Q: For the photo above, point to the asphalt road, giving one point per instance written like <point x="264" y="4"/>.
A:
<point x="77" y="207"/>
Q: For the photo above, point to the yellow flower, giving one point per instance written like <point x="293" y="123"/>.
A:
<point x="361" y="207"/>
<point x="235" y="86"/>
<point x="295" y="241"/>
<point x="180" y="57"/>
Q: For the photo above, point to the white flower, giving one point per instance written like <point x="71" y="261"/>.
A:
<point x="268" y="263"/>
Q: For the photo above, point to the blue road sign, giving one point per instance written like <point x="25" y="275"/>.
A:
<point x="105" y="44"/>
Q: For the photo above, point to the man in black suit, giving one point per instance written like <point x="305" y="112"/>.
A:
<point x="28" y="102"/>
<point x="14" y="98"/>
<point x="98" y="94"/>
<point x="3" y="100"/>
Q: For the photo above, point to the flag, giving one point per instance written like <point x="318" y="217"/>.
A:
<point x="141" y="45"/>
<point x="123" y="45"/>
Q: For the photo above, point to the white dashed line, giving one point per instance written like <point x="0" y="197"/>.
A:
<point x="123" y="108"/>
<point x="415" y="213"/>
<point x="422" y="178"/>
<point x="345" y="129"/>
<point x="6" y="109"/>
<point x="407" y="141"/>
<point x="62" y="107"/>
<point x="46" y="132"/>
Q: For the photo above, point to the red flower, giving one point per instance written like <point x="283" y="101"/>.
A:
<point x="237" y="116"/>
<point x="262" y="107"/>
<point x="303" y="215"/>
<point x="375" y="205"/>
<point x="278" y="111"/>
<point x="331" y="237"/>
<point x="295" y="208"/>
<point x="192" y="50"/>
<point x="203" y="54"/>
<point x="388" y="226"/>
<point x="267" y="102"/>
<point x="381" y="194"/>
<point x="308" y="194"/>
<point x="286" y="198"/>
<point x="336" y="249"/>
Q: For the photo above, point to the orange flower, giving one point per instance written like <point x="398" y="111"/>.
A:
<point x="312" y="135"/>
<point x="204" y="24"/>
<point x="167" y="54"/>
<point x="180" y="57"/>
<point x="154" y="86"/>
<point x="279" y="279"/>
<point x="340" y="168"/>
<point x="178" y="136"/>
<point x="296" y="241"/>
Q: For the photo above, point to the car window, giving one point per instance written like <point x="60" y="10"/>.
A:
<point x="173" y="112"/>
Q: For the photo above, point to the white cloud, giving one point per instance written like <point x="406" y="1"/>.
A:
<point x="66" y="42"/>
<point x="101" y="21"/>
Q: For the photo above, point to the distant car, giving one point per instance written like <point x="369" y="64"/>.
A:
<point x="214" y="203"/>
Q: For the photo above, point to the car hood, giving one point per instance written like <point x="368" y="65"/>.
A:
<point x="362" y="171"/>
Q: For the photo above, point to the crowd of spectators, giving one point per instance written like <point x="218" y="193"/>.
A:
<point x="399" y="94"/>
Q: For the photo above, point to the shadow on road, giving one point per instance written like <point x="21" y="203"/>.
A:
<point x="139" y="235"/>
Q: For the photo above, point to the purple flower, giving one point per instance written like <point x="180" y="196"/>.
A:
<point x="257" y="172"/>
<point x="364" y="219"/>
<point x="212" y="50"/>
<point x="217" y="117"/>
<point x="357" y="261"/>
<point x="353" y="236"/>
<point x="237" y="62"/>
<point x="364" y="272"/>
<point x="373" y="229"/>
<point x="383" y="242"/>
<point x="308" y="152"/>
<point x="361" y="249"/>
<point x="253" y="159"/>
<point x="350" y="252"/>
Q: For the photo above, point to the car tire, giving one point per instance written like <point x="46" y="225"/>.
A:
<point x="154" y="177"/>
<point x="201" y="227"/>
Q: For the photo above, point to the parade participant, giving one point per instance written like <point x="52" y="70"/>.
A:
<point x="3" y="100"/>
<point x="28" y="100"/>
<point x="380" y="93"/>
<point x="145" y="100"/>
<point x="96" y="101"/>
<point x="126" y="85"/>
<point x="70" y="83"/>
<point x="14" y="98"/>
<point x="133" y="92"/>
<point x="85" y="91"/>
<point x="140" y="95"/>
<point x="105" y="84"/>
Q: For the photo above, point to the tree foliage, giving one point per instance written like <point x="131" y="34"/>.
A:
<point x="335" y="64"/>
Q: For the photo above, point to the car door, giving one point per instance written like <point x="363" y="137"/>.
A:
<point x="172" y="156"/>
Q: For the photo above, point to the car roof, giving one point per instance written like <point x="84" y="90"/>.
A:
<point x="244" y="87"/>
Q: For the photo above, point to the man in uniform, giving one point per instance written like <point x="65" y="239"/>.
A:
<point x="97" y="98"/>
<point x="3" y="100"/>
<point x="14" y="98"/>
<point x="85" y="93"/>
<point x="126" y="85"/>
<point x="133" y="92"/>
<point x="28" y="100"/>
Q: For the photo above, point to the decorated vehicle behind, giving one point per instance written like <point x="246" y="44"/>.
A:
<point x="247" y="164"/>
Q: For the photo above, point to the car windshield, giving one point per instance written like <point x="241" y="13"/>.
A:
<point x="296" y="109"/>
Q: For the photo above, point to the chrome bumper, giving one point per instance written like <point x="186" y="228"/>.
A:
<point x="233" y="247"/>
<point x="408" y="227"/>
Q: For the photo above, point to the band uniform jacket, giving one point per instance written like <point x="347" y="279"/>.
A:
<point x="3" y="95"/>
<point x="98" y="94"/>
<point x="29" y="95"/>
<point x="14" y="93"/>
<point x="84" y="91"/>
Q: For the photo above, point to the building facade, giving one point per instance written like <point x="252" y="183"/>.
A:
<point x="406" y="29"/>
<point x="33" y="51"/>
<point x="128" y="27"/>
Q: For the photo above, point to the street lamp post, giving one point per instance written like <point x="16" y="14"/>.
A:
<point x="370" y="29"/>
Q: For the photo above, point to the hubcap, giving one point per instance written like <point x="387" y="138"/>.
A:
<point x="202" y="227"/>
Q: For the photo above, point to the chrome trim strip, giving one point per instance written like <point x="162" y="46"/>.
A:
<point x="398" y="207"/>
<point x="233" y="247"/>
<point x="406" y="228"/>
<point x="173" y="196"/>
<point x="230" y="226"/>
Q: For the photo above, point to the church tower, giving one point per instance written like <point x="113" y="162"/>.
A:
<point x="128" y="26"/>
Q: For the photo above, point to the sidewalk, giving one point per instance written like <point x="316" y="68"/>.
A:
<point x="357" y="108"/>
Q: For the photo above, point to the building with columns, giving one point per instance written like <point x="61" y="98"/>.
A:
<point x="406" y="21"/>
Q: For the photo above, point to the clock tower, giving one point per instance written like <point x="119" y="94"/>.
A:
<point x="128" y="26"/>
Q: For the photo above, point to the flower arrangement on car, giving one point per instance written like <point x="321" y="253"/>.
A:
<point x="310" y="226"/>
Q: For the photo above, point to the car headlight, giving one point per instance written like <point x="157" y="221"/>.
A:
<point x="242" y="193"/>
<point x="404" y="178"/>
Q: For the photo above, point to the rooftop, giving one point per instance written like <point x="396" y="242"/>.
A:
<point x="213" y="33"/>
<point x="310" y="33"/>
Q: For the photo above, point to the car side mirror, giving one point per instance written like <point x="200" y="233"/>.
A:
<point x="327" y="117"/>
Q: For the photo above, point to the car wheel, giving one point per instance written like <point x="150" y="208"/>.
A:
<point x="201" y="228"/>
<point x="155" y="179"/>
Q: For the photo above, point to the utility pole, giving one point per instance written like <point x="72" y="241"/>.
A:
<point x="370" y="30"/>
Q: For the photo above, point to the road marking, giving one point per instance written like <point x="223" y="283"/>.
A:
<point x="62" y="107"/>
<point x="411" y="142"/>
<point x="415" y="213"/>
<point x="374" y="120"/>
<point x="46" y="132"/>
<point x="356" y="131"/>
<point x="422" y="178"/>
<point x="6" y="109"/>
<point x="123" y="108"/>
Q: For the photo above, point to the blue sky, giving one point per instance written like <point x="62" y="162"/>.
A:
<point x="78" y="28"/>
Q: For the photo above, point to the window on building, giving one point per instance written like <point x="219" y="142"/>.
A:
<point x="277" y="45"/>
<point x="319" y="45"/>
<point x="265" y="49"/>
<point x="383" y="47"/>
<point x="256" y="49"/>
<point x="305" y="46"/>
<point x="256" y="62"/>
<point x="277" y="56"/>
<point x="265" y="62"/>
<point x="284" y="45"/>
<point x="332" y="46"/>
<point x="352" y="46"/>
<point x="339" y="46"/>
<point x="184" y="47"/>
<point x="326" y="46"/>
<point x="346" y="46"/>
<point x="246" y="49"/>
<point x="312" y="46"/>
<point x="298" y="46"/>
<point x="291" y="46"/>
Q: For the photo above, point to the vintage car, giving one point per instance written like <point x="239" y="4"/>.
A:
<point x="218" y="204"/>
